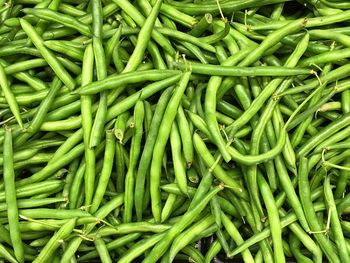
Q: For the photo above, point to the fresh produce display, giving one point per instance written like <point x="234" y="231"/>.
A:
<point x="161" y="131"/>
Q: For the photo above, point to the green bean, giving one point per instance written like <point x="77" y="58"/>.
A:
<point x="207" y="69"/>
<point x="180" y="171"/>
<point x="324" y="134"/>
<point x="126" y="78"/>
<point x="33" y="189"/>
<point x="71" y="10"/>
<point x="29" y="203"/>
<point x="101" y="68"/>
<point x="54" y="16"/>
<point x="102" y="250"/>
<point x="46" y="172"/>
<point x="170" y="206"/>
<point x="213" y="8"/>
<point x="274" y="220"/>
<point x="140" y="247"/>
<point x="47" y="55"/>
<point x="216" y="169"/>
<point x="4" y="253"/>
<point x="117" y="243"/>
<point x="126" y="228"/>
<point x="145" y="35"/>
<point x="162" y="138"/>
<point x="140" y="20"/>
<point x="10" y="194"/>
<point x="255" y="159"/>
<point x="105" y="173"/>
<point x="112" y="44"/>
<point x="40" y="115"/>
<point x="179" y="226"/>
<point x="139" y="113"/>
<point x="313" y="221"/>
<point x="336" y="227"/>
<point x="202" y="25"/>
<point x="9" y="96"/>
<point x="86" y="115"/>
<point x="24" y="65"/>
<point x="70" y="51"/>
<point x="54" y="243"/>
<point x="234" y="233"/>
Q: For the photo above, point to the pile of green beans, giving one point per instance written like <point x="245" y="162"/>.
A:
<point x="174" y="131"/>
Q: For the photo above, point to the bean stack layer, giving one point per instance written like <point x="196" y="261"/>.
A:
<point x="161" y="131"/>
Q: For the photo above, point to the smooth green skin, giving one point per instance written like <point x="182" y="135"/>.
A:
<point x="115" y="244"/>
<point x="102" y="250"/>
<point x="70" y="51"/>
<point x="294" y="243"/>
<point x="10" y="97"/>
<point x="170" y="205"/>
<point x="186" y="37"/>
<point x="143" y="39"/>
<point x="333" y="141"/>
<point x="140" y="247"/>
<point x="226" y="205"/>
<point x="343" y="177"/>
<point x="112" y="43"/>
<point x="285" y="221"/>
<point x="323" y="134"/>
<point x="310" y="214"/>
<point x="161" y="141"/>
<point x="217" y="36"/>
<point x="108" y="161"/>
<point x="41" y="113"/>
<point x="10" y="194"/>
<point x="179" y="226"/>
<point x="64" y="19"/>
<point x="34" y="189"/>
<point x="47" y="252"/>
<point x="263" y="157"/>
<point x="178" y="162"/>
<point x="103" y="211"/>
<point x="236" y="236"/>
<point x="193" y="254"/>
<point x="97" y="130"/>
<point x="86" y="118"/>
<point x="176" y="15"/>
<point x="337" y="231"/>
<point x="21" y="155"/>
<point x="4" y="253"/>
<point x="139" y="19"/>
<point x="241" y="71"/>
<point x="136" y="227"/>
<point x="214" y="9"/>
<point x="47" y="55"/>
<point x="278" y="84"/>
<point x="252" y="57"/>
<point x="30" y="203"/>
<point x="52" y="167"/>
<point x="310" y="22"/>
<point x="126" y="78"/>
<point x="217" y="170"/>
<point x="24" y="65"/>
<point x="334" y="75"/>
<point x="304" y="238"/>
<point x="186" y="136"/>
<point x="210" y="111"/>
<point x="115" y="110"/>
<point x="139" y="114"/>
<point x="274" y="220"/>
